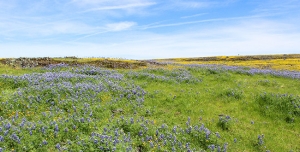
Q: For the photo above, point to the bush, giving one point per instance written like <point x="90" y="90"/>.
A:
<point x="224" y="122"/>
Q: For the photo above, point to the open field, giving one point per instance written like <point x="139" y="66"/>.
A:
<point x="195" y="104"/>
<point x="277" y="62"/>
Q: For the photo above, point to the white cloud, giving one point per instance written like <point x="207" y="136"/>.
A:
<point x="118" y="7"/>
<point x="195" y="15"/>
<point x="45" y="29"/>
<point x="112" y="27"/>
<point x="196" y="22"/>
<point x="191" y="4"/>
<point x="119" y="26"/>
<point x="244" y="37"/>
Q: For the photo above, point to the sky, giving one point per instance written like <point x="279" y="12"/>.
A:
<point x="148" y="29"/>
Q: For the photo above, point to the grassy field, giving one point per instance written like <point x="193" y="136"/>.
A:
<point x="181" y="105"/>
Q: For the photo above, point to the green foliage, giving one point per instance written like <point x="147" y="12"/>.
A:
<point x="225" y="122"/>
<point x="282" y="106"/>
<point x="232" y="93"/>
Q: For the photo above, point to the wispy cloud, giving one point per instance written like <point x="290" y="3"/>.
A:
<point x="119" y="26"/>
<point x="118" y="7"/>
<point x="112" y="27"/>
<point x="192" y="4"/>
<point x="274" y="6"/>
<point x="195" y="15"/>
<point x="46" y="29"/>
<point x="198" y="21"/>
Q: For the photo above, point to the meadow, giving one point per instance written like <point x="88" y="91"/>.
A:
<point x="71" y="104"/>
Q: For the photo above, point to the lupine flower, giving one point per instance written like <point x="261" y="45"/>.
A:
<point x="174" y="129"/>
<point x="131" y="120"/>
<point x="187" y="145"/>
<point x="6" y="132"/>
<point x="1" y="138"/>
<point x="7" y="126"/>
<point x="207" y="133"/>
<point x="260" y="140"/>
<point x="56" y="129"/>
<point x="225" y="147"/>
<point x="140" y="133"/>
<point x="82" y="120"/>
<point x="211" y="147"/>
<point x="15" y="138"/>
<point x="57" y="146"/>
<point x="45" y="142"/>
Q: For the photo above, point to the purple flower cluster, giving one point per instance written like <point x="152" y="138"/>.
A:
<point x="80" y="108"/>
<point x="60" y="103"/>
<point x="163" y="75"/>
<point x="247" y="70"/>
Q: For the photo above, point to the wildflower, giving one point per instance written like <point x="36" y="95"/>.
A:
<point x="15" y="138"/>
<point x="82" y="120"/>
<point x="45" y="142"/>
<point x="207" y="133"/>
<point x="6" y="132"/>
<point x="225" y="147"/>
<point x="151" y="144"/>
<point x="187" y="145"/>
<point x="165" y="142"/>
<point x="218" y="135"/>
<point x="189" y="130"/>
<point x="219" y="149"/>
<point x="131" y="121"/>
<point x="260" y="139"/>
<point x="211" y="147"/>
<point x="56" y="129"/>
<point x="174" y="129"/>
<point x="7" y="126"/>
<point x="1" y="138"/>
<point x="57" y="146"/>
<point x="22" y="123"/>
<point x="140" y="133"/>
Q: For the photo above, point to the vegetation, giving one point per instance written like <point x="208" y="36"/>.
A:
<point x="157" y="106"/>
<point x="277" y="62"/>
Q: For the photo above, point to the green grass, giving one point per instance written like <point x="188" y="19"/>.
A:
<point x="204" y="102"/>
<point x="256" y="105"/>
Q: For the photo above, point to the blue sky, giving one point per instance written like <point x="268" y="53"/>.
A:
<point x="147" y="29"/>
